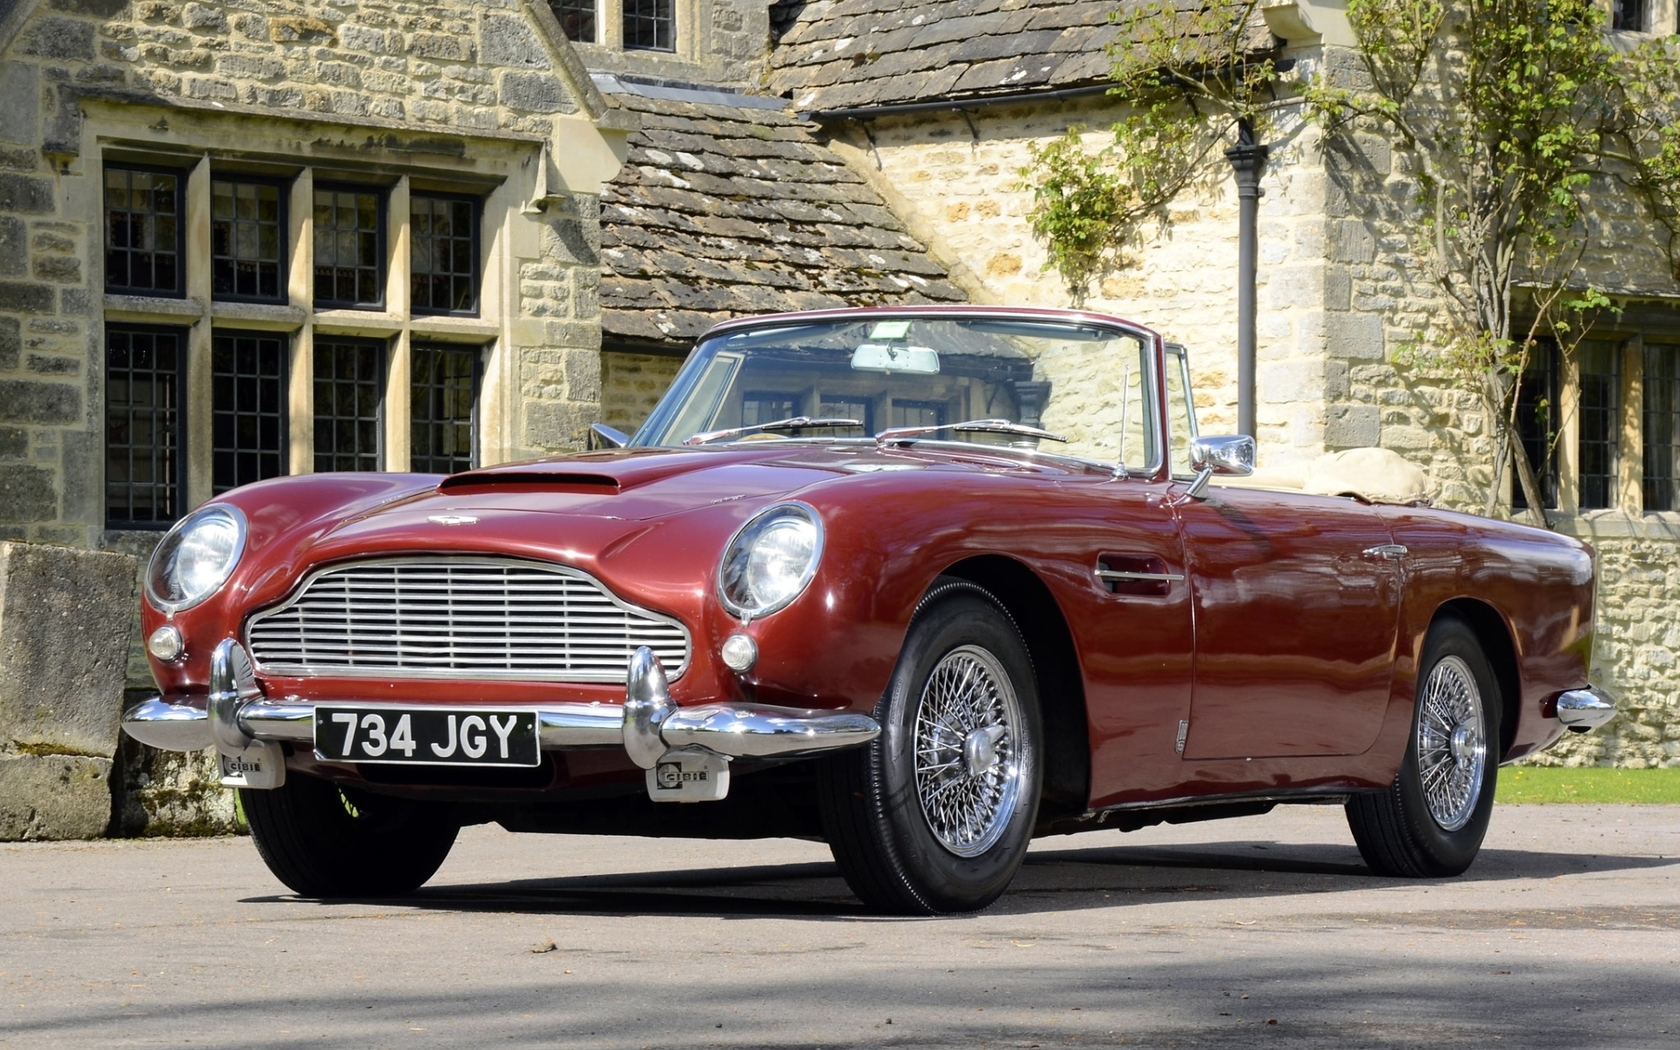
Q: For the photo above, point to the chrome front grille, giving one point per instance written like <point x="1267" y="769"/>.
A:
<point x="460" y="617"/>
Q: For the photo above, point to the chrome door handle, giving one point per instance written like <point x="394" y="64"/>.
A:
<point x="1386" y="551"/>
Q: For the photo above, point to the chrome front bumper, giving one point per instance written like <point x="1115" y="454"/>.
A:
<point x="1586" y="709"/>
<point x="236" y="714"/>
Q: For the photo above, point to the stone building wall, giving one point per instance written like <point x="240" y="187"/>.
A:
<point x="377" y="84"/>
<point x="962" y="192"/>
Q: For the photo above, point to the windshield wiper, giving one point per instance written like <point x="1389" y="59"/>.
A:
<point x="791" y="423"/>
<point x="984" y="426"/>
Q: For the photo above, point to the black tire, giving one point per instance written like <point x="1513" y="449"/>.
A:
<point x="326" y="841"/>
<point x="897" y="856"/>
<point x="1406" y="831"/>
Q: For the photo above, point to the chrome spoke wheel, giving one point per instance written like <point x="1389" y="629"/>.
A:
<point x="1451" y="743"/>
<point x="967" y="762"/>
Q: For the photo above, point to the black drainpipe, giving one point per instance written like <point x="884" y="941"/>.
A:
<point x="1248" y="160"/>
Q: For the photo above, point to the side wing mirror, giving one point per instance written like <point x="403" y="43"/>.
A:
<point x="1227" y="455"/>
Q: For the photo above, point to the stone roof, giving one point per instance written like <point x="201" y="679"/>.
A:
<point x="729" y="207"/>
<point x="840" y="54"/>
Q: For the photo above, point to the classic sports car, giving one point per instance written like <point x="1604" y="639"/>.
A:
<point x="923" y="583"/>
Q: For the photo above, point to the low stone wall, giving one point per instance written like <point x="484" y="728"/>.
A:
<point x="64" y="637"/>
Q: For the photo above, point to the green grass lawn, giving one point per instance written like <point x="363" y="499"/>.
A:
<point x="1592" y="785"/>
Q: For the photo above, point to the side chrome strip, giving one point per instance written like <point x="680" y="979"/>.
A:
<point x="1117" y="576"/>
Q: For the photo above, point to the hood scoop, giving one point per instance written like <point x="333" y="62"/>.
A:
<point x="474" y="482"/>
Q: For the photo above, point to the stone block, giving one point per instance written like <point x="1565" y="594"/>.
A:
<point x="19" y="103"/>
<point x="10" y="343"/>
<point x="553" y="426"/>
<point x="26" y="195"/>
<point x="14" y="443"/>
<point x="27" y="495"/>
<point x="53" y="797"/>
<point x="508" y="41"/>
<point x="535" y="93"/>
<point x="64" y="636"/>
<point x="65" y="39"/>
<point x="29" y="401"/>
<point x="1354" y="336"/>
<point x="1352" y="426"/>
<point x="204" y="17"/>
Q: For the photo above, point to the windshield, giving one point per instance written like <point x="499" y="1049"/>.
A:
<point x="1090" y="384"/>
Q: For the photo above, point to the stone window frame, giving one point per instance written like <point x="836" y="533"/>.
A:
<point x="494" y="177"/>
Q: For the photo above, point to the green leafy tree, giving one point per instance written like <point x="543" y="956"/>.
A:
<point x="1506" y="117"/>
<point x="1189" y="79"/>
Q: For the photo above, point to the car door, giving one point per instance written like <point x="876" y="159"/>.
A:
<point x="1295" y="600"/>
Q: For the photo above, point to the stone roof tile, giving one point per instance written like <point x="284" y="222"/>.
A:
<point x="722" y="211"/>
<point x="859" y="53"/>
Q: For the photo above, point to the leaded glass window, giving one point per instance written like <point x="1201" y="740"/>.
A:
<point x="349" y="389"/>
<point x="577" y="18"/>
<point x="1601" y="422"/>
<point x="247" y="408"/>
<point x="143" y="424"/>
<point x="1537" y="415"/>
<point x="143" y="232"/>
<point x="1662" y="426"/>
<point x="650" y="25"/>
<point x="1629" y="15"/>
<point x="767" y="406"/>
<point x="349" y="247"/>
<point x="444" y="238"/>
<point x="443" y="408"/>
<point x="918" y="413"/>
<point x="247" y="241"/>
<point x="860" y="409"/>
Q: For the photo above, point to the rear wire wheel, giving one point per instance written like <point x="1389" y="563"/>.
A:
<point x="1431" y="821"/>
<point x="325" y="840"/>
<point x="935" y="815"/>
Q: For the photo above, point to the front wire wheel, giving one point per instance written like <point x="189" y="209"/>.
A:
<point x="936" y="814"/>
<point x="968" y="778"/>
<point x="1431" y="821"/>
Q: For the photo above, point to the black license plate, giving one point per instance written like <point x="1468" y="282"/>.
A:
<point x="426" y="736"/>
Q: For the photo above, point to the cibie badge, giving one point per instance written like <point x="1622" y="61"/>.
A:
<point x="690" y="775"/>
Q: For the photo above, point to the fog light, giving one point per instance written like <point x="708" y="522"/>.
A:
<point x="740" y="653"/>
<point x="165" y="643"/>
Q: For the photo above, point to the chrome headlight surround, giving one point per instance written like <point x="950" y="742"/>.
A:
<point x="770" y="560"/>
<point x="196" y="557"/>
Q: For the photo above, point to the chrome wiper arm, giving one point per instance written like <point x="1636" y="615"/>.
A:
<point x="790" y="423"/>
<point x="984" y="426"/>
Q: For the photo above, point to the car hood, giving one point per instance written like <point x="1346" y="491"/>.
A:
<point x="646" y="484"/>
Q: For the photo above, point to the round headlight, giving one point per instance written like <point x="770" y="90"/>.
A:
<point x="196" y="557"/>
<point x="769" y="562"/>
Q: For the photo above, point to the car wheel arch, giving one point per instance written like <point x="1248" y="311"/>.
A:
<point x="1038" y="617"/>
<point x="1494" y="635"/>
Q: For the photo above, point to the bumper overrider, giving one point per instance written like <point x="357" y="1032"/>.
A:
<point x="246" y="727"/>
<point x="1584" y="710"/>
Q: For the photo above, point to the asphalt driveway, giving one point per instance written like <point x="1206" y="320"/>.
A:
<point x="1260" y="931"/>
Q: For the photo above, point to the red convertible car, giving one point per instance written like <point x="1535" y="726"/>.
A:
<point x="924" y="583"/>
